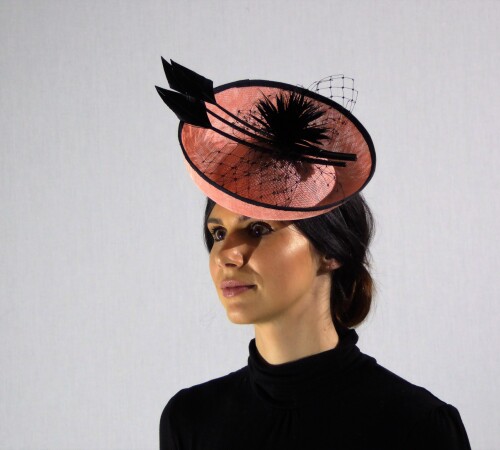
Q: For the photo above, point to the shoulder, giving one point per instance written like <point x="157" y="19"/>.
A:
<point x="396" y="390"/>
<point x="193" y="403"/>
<point x="425" y="421"/>
<point x="439" y="428"/>
<point x="198" y="394"/>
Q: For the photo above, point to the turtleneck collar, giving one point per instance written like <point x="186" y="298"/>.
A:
<point x="298" y="382"/>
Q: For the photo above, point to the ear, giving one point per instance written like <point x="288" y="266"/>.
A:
<point x="329" y="264"/>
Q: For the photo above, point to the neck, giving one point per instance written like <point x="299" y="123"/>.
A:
<point x="304" y="331"/>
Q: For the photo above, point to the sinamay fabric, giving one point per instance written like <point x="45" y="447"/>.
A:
<point x="340" y="399"/>
<point x="266" y="149"/>
<point x="224" y="169"/>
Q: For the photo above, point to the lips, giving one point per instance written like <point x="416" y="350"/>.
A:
<point x="231" y="288"/>
<point x="233" y="284"/>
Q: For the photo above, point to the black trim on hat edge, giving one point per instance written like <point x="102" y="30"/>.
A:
<point x="307" y="93"/>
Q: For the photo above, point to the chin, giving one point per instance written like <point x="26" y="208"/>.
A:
<point x="238" y="319"/>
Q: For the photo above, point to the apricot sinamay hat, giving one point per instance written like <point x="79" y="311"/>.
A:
<point x="268" y="150"/>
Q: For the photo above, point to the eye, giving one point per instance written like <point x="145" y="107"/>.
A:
<point x="255" y="229"/>
<point x="215" y="233"/>
<point x="260" y="228"/>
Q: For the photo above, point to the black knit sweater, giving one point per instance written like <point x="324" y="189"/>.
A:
<point x="340" y="399"/>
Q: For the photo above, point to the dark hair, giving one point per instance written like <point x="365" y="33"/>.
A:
<point x="344" y="234"/>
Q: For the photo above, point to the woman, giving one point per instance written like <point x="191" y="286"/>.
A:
<point x="288" y="234"/>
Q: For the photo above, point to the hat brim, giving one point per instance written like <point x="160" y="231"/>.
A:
<point x="227" y="172"/>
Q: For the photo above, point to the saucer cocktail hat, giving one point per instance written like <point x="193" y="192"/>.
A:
<point x="269" y="150"/>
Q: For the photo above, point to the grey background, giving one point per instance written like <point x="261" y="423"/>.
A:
<point x="107" y="308"/>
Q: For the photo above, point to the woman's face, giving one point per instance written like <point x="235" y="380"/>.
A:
<point x="273" y="256"/>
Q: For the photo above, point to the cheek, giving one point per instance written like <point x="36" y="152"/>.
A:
<point x="212" y="265"/>
<point x="287" y="267"/>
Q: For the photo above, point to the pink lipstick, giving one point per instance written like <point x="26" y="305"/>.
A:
<point x="231" y="288"/>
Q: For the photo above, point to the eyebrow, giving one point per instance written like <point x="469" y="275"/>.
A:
<point x="216" y="220"/>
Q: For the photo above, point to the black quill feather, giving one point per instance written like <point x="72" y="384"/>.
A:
<point x="186" y="108"/>
<point x="184" y="80"/>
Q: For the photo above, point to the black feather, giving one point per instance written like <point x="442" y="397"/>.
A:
<point x="293" y="122"/>
<point x="184" y="80"/>
<point x="186" y="108"/>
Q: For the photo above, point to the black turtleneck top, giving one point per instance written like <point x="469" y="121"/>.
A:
<point x="339" y="399"/>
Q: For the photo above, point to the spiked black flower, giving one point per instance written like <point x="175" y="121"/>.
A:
<point x="291" y="122"/>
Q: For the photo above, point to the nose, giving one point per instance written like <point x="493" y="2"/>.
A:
<point x="231" y="253"/>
